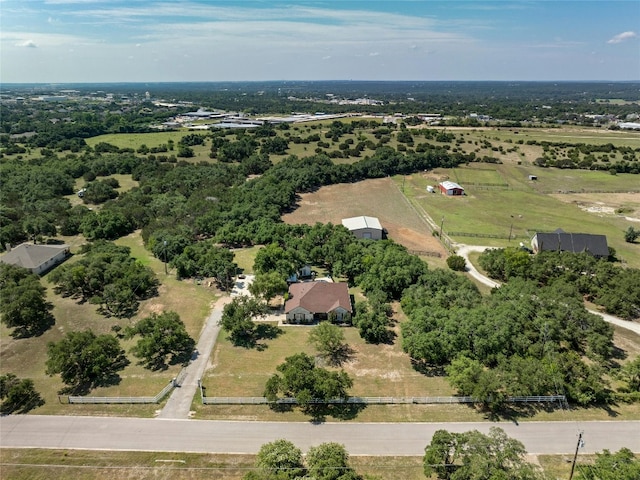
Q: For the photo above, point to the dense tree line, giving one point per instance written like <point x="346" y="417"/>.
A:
<point x="522" y="340"/>
<point x="615" y="288"/>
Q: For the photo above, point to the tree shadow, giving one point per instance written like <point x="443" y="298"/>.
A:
<point x="163" y="362"/>
<point x="108" y="379"/>
<point x="262" y="331"/>
<point x="28" y="331"/>
<point x="340" y="356"/>
<point x="428" y="369"/>
<point x="514" y="411"/>
<point x="339" y="411"/>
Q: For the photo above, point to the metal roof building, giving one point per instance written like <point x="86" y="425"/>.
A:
<point x="364" y="227"/>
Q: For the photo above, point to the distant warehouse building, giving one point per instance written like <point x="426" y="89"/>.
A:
<point x="450" y="188"/>
<point x="364" y="227"/>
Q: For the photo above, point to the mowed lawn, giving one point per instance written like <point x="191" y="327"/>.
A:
<point x="26" y="357"/>
<point x="521" y="209"/>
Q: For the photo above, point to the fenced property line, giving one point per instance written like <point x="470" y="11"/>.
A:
<point x="174" y="382"/>
<point x="488" y="187"/>
<point x="425" y="253"/>
<point x="568" y="192"/>
<point x="378" y="400"/>
<point x="484" y="235"/>
<point x="480" y="184"/>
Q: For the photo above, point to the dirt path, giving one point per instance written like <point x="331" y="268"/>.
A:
<point x="179" y="404"/>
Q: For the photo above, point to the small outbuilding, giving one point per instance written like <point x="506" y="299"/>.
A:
<point x="364" y="227"/>
<point x="316" y="301"/>
<point x="450" y="188"/>
<point x="36" y="258"/>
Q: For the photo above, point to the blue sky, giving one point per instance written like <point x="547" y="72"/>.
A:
<point x="198" y="40"/>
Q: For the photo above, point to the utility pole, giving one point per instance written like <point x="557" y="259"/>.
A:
<point x="575" y="455"/>
<point x="165" y="256"/>
<point x="441" y="224"/>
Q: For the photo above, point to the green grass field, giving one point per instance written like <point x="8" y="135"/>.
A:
<point x="523" y="209"/>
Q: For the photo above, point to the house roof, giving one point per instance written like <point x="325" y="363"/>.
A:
<point x="31" y="256"/>
<point x="318" y="297"/>
<point x="573" y="242"/>
<point x="358" y="223"/>
<point x="450" y="185"/>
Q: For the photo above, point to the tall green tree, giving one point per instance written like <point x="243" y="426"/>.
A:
<point x="280" y="460"/>
<point x="18" y="395"/>
<point x="476" y="456"/>
<point x="164" y="340"/>
<point x="329" y="340"/>
<point x="85" y="360"/>
<point x="237" y="319"/>
<point x="23" y="303"/>
<point x="631" y="234"/>
<point x="330" y="461"/>
<point x="268" y="285"/>
<point x="299" y="377"/>
<point x="621" y="465"/>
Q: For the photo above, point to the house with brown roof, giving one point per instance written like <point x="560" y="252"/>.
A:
<point x="315" y="301"/>
<point x="36" y="258"/>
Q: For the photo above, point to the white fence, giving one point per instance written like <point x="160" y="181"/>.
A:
<point x="175" y="382"/>
<point x="378" y="400"/>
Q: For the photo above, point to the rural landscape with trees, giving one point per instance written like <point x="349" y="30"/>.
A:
<point x="166" y="214"/>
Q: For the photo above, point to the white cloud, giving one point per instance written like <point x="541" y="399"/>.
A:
<point x="27" y="43"/>
<point x="33" y="39"/>
<point x="621" y="37"/>
<point x="374" y="54"/>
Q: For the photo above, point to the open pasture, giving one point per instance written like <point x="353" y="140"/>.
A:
<point x="522" y="209"/>
<point x="377" y="198"/>
<point x="569" y="134"/>
<point x="480" y="174"/>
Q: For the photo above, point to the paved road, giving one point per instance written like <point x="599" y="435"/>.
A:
<point x="110" y="433"/>
<point x="179" y="403"/>
<point x="464" y="250"/>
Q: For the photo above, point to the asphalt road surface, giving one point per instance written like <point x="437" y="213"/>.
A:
<point x="179" y="403"/>
<point x="138" y="434"/>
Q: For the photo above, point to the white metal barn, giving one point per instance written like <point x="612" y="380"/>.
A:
<point x="364" y="227"/>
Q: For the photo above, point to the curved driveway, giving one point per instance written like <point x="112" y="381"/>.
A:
<point x="139" y="434"/>
<point x="464" y="250"/>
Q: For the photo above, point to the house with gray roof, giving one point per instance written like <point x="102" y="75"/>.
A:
<point x="561" y="241"/>
<point x="36" y="258"/>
